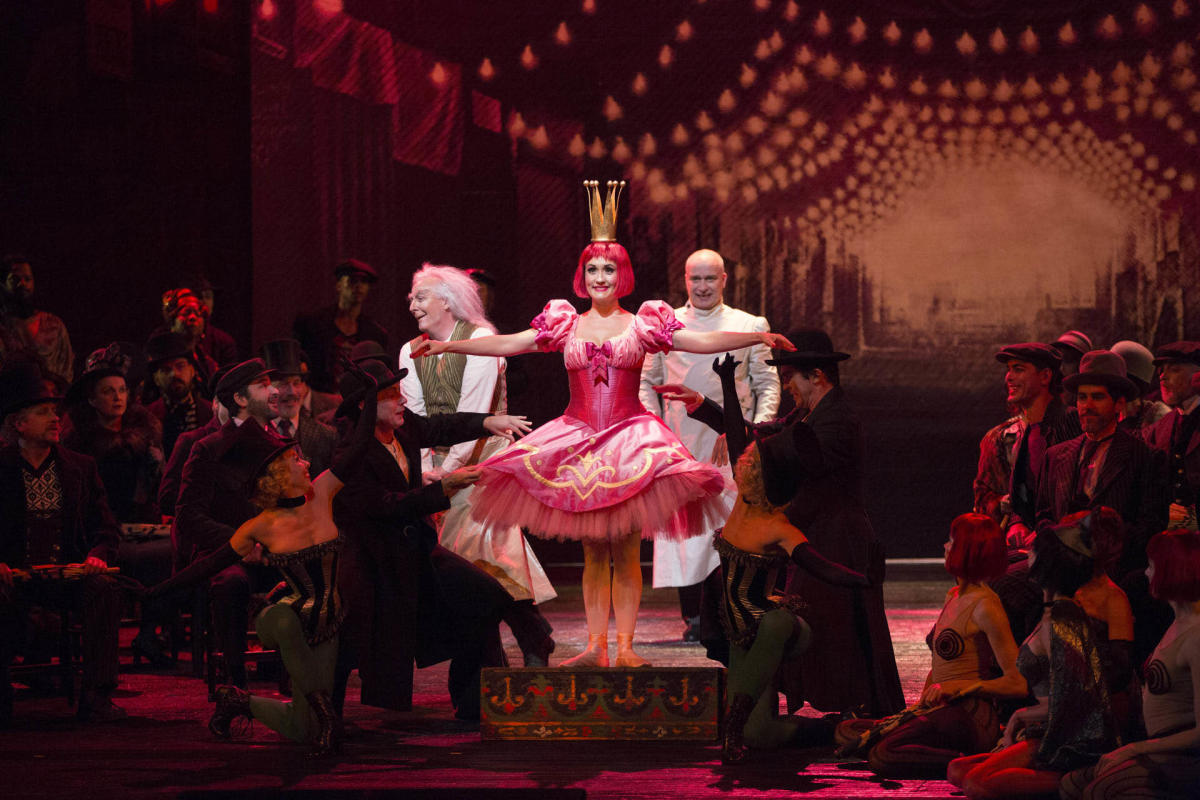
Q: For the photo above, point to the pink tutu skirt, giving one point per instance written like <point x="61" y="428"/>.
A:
<point x="569" y="481"/>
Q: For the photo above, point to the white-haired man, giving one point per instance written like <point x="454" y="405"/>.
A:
<point x="686" y="564"/>
<point x="446" y="305"/>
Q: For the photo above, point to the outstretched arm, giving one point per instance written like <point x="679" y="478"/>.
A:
<point x="509" y="344"/>
<point x="722" y="341"/>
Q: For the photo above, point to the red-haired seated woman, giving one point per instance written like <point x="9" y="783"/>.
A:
<point x="1072" y="724"/>
<point x="1167" y="764"/>
<point x="974" y="664"/>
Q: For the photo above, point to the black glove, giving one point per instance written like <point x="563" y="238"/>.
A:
<point x="199" y="570"/>
<point x="735" y="426"/>
<point x="823" y="569"/>
<point x="356" y="447"/>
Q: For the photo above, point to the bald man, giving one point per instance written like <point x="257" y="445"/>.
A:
<point x="686" y="564"/>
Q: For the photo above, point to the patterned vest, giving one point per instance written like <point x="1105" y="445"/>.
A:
<point x="441" y="384"/>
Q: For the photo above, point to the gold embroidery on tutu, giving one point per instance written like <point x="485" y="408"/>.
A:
<point x="586" y="478"/>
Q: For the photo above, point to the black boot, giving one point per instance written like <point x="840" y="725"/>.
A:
<point x="232" y="703"/>
<point x="329" y="737"/>
<point x="734" y="749"/>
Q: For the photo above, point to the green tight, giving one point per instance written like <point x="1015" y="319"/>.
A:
<point x="781" y="634"/>
<point x="311" y="670"/>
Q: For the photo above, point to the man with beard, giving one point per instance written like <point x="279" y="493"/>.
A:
<point x="331" y="333"/>
<point x="25" y="329"/>
<point x="214" y="499"/>
<point x="692" y="563"/>
<point x="216" y="342"/>
<point x="1109" y="466"/>
<point x="289" y="371"/>
<point x="179" y="407"/>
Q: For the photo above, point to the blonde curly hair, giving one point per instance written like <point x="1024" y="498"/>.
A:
<point x="270" y="485"/>
<point x="748" y="473"/>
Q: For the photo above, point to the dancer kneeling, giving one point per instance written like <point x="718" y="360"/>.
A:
<point x="1073" y="723"/>
<point x="970" y="643"/>
<point x="1167" y="764"/>
<point x="298" y="535"/>
<point x="764" y="628"/>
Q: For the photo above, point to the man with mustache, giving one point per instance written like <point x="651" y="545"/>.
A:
<point x="179" y="407"/>
<point x="1108" y="466"/>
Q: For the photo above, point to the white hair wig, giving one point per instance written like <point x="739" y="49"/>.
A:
<point x="460" y="292"/>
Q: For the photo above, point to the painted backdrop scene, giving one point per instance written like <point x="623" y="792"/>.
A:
<point x="926" y="179"/>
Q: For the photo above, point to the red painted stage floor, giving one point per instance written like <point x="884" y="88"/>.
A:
<point x="164" y="748"/>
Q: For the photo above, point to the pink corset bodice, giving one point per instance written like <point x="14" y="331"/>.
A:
<point x="605" y="395"/>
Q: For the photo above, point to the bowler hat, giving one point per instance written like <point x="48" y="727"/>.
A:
<point x="253" y="449"/>
<point x="1102" y="368"/>
<point x="1188" y="352"/>
<point x="1139" y="362"/>
<point x="813" y="348"/>
<point x="167" y="346"/>
<point x="1078" y="341"/>
<point x="353" y="389"/>
<point x="242" y="375"/>
<point x="284" y="357"/>
<point x="352" y="267"/>
<point x="1042" y="356"/>
<point x="367" y="350"/>
<point x="103" y="363"/>
<point x="21" y="386"/>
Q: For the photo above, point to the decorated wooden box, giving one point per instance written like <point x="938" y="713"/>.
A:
<point x="602" y="703"/>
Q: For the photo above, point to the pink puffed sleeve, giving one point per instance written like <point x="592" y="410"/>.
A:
<point x="554" y="325"/>
<point x="655" y="326"/>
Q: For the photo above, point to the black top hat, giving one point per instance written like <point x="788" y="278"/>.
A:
<point x="352" y="267"/>
<point x="1188" y="352"/>
<point x="167" y="346"/>
<point x="241" y="375"/>
<point x="1042" y="356"/>
<point x="368" y="350"/>
<point x="254" y="449"/>
<point x="1102" y="368"/>
<point x="103" y="363"/>
<point x="284" y="357"/>
<point x="813" y="348"/>
<point x="783" y="462"/>
<point x="21" y="386"/>
<point x="353" y="390"/>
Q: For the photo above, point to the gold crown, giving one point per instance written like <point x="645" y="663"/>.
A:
<point x="603" y="216"/>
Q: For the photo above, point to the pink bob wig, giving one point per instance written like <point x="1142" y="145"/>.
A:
<point x="609" y="251"/>
<point x="1176" y="559"/>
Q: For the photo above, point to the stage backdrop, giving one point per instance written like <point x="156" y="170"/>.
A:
<point x="927" y="180"/>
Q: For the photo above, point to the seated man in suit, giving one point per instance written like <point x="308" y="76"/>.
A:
<point x="53" y="511"/>
<point x="214" y="499"/>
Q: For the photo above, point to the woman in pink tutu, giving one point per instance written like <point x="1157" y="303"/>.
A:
<point x="607" y="473"/>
